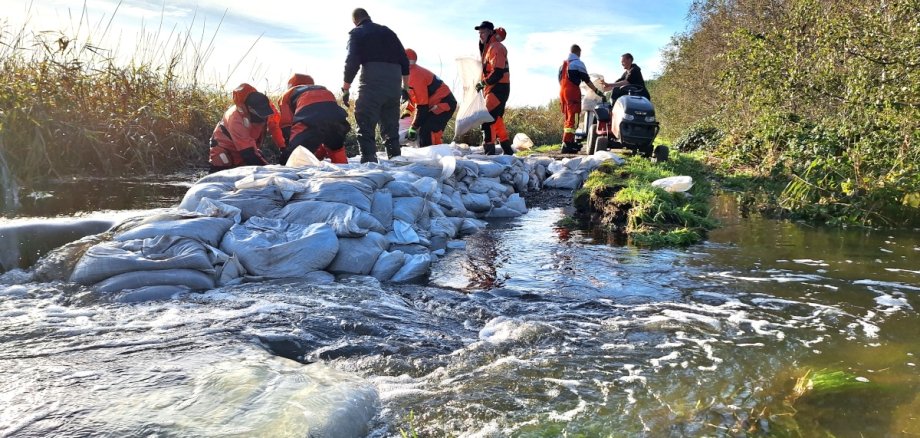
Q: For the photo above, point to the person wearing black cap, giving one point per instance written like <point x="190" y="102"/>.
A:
<point x="382" y="59"/>
<point x="236" y="138"/>
<point x="495" y="86"/>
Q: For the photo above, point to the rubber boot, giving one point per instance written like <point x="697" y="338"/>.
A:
<point x="506" y="147"/>
<point x="338" y="155"/>
<point x="489" y="148"/>
<point x="569" y="148"/>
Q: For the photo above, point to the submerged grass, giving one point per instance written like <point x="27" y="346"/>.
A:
<point x="622" y="200"/>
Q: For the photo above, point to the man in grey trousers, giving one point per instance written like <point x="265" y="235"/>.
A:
<point x="382" y="60"/>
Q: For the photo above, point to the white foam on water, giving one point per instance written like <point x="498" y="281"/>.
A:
<point x="902" y="270"/>
<point x="783" y="277"/>
<point x="810" y="262"/>
<point x="891" y="284"/>
<point x="885" y="250"/>
<point x="503" y="329"/>
<point x="618" y="347"/>
<point x="566" y="383"/>
<point x="656" y="362"/>
<point x="570" y="414"/>
<point x="395" y="387"/>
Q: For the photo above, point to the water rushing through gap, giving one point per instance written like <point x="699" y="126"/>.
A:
<point x="529" y="331"/>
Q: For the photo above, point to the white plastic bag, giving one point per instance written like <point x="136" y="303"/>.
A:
<point x="591" y="99"/>
<point x="674" y="184"/>
<point x="472" y="111"/>
<point x="302" y="157"/>
<point x="521" y="142"/>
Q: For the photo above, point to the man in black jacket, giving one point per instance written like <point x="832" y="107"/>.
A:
<point x="631" y="76"/>
<point x="382" y="60"/>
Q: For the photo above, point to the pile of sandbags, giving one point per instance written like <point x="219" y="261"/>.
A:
<point x="389" y="220"/>
<point x="571" y="173"/>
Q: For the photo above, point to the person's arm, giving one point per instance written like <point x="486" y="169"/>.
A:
<point x="352" y="60"/>
<point x="498" y="58"/>
<point x="243" y="141"/>
<point x="274" y="128"/>
<point x="420" y="98"/>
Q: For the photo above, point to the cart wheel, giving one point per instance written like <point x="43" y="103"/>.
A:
<point x="602" y="144"/>
<point x="661" y="153"/>
<point x="646" y="150"/>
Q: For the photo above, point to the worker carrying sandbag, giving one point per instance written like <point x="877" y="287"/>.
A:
<point x="572" y="73"/>
<point x="237" y="137"/>
<point x="495" y="85"/>
<point x="311" y="117"/>
<point x="432" y="102"/>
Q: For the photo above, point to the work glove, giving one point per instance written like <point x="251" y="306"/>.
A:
<point x="345" y="97"/>
<point x="480" y="85"/>
<point x="405" y="95"/>
<point x="411" y="135"/>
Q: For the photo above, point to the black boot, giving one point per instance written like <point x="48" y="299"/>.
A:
<point x="569" y="148"/>
<point x="506" y="147"/>
<point x="489" y="148"/>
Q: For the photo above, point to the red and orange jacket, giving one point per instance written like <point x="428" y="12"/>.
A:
<point x="285" y="106"/>
<point x="311" y="105"/>
<point x="236" y="133"/>
<point x="494" y="62"/>
<point x="428" y="94"/>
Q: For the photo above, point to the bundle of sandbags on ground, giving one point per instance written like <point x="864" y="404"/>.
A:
<point x="389" y="220"/>
<point x="571" y="173"/>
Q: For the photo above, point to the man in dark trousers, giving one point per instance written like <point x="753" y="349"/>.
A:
<point x="384" y="67"/>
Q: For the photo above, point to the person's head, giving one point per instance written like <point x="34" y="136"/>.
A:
<point x="359" y="15"/>
<point x="300" y="79"/>
<point x="626" y="60"/>
<point x="413" y="57"/>
<point x="486" y="28"/>
<point x="258" y="106"/>
<point x="576" y="50"/>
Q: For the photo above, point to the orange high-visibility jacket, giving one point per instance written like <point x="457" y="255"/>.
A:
<point x="312" y="105"/>
<point x="427" y="92"/>
<point x="495" y="62"/>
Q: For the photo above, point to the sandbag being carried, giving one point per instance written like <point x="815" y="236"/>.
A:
<point x="472" y="112"/>
<point x="276" y="248"/>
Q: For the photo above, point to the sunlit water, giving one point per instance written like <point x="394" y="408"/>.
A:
<point x="528" y="331"/>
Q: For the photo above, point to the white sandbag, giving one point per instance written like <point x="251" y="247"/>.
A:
<point x="564" y="179"/>
<point x="590" y="99"/>
<point x="433" y="152"/>
<point x="264" y="202"/>
<point x="427" y="186"/>
<point x="341" y="190"/>
<point x="435" y="210"/>
<point x="404" y="124"/>
<point x="476" y="202"/>
<point x="190" y="278"/>
<point x="319" y="277"/>
<point x="197" y="192"/>
<point x="402" y="189"/>
<point x="446" y="226"/>
<point x="302" y="157"/>
<point x="411" y="249"/>
<point x="430" y="168"/>
<point x="489" y="168"/>
<point x="472" y="226"/>
<point x="347" y="221"/>
<point x="230" y="271"/>
<point x="521" y="142"/>
<point x="287" y="186"/>
<point x="503" y="212"/>
<point x="382" y="208"/>
<point x="388" y="264"/>
<point x="556" y="166"/>
<point x="213" y="208"/>
<point x="472" y="111"/>
<point x="276" y="248"/>
<point x="468" y="166"/>
<point x="358" y="255"/>
<point x="402" y="234"/>
<point x="408" y="209"/>
<point x="209" y="230"/>
<point x="674" y="184"/>
<point x="415" y="266"/>
<point x="485" y="185"/>
<point x="230" y="176"/>
<point x="517" y="203"/>
<point x="108" y="259"/>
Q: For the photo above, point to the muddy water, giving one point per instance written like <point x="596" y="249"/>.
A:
<point x="529" y="331"/>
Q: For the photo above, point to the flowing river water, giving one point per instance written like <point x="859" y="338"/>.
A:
<point x="531" y="330"/>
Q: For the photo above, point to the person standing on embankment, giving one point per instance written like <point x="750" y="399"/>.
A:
<point x="377" y="51"/>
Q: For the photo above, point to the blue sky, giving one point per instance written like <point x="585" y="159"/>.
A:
<point x="310" y="37"/>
